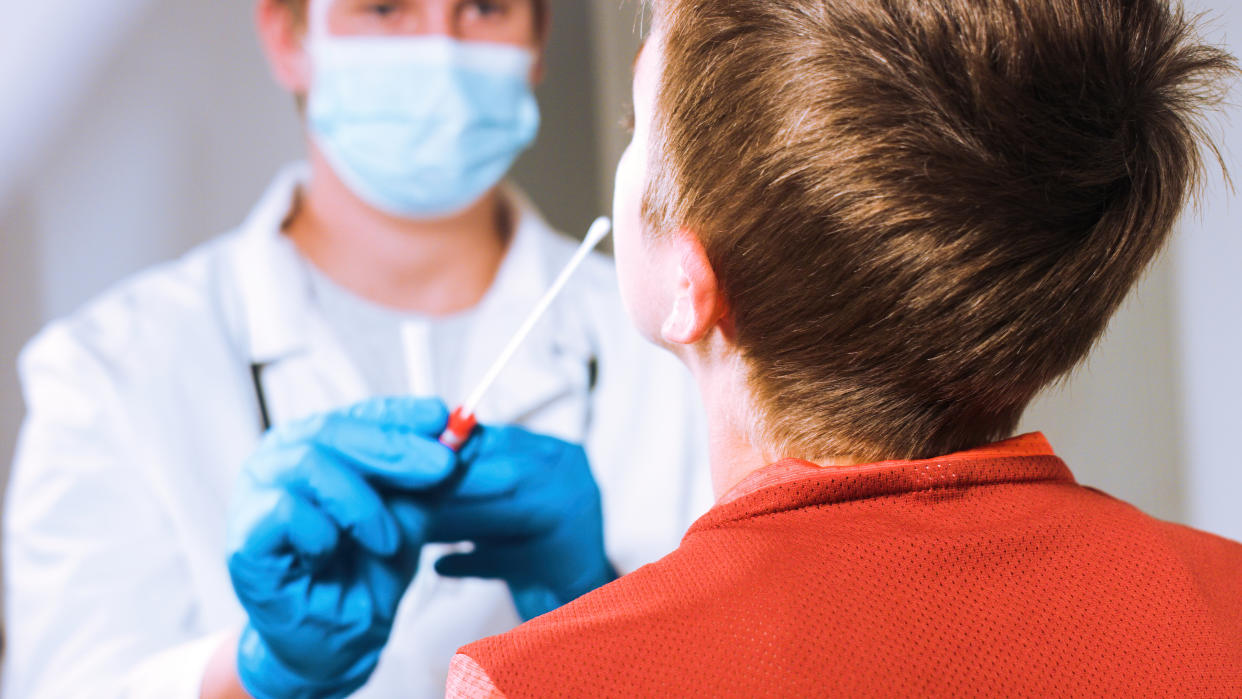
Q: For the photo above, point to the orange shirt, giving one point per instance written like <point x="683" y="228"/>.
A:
<point x="988" y="572"/>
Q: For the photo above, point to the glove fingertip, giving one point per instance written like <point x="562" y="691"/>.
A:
<point x="314" y="535"/>
<point x="485" y="441"/>
<point x="445" y="462"/>
<point x="426" y="415"/>
<point x="380" y="536"/>
<point x="428" y="464"/>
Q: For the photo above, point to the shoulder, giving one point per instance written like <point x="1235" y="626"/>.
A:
<point x="1213" y="561"/>
<point x="141" y="323"/>
<point x="634" y="616"/>
<point x="468" y="680"/>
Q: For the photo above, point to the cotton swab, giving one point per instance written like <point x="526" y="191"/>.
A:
<point x="463" y="421"/>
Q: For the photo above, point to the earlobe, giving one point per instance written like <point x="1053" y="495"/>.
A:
<point x="698" y="304"/>
<point x="679" y="325"/>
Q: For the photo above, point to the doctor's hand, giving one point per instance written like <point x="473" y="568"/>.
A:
<point x="321" y="547"/>
<point x="532" y="508"/>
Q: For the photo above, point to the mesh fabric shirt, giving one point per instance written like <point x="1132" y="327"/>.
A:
<point x="984" y="573"/>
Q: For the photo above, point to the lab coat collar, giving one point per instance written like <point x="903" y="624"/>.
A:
<point x="274" y="288"/>
<point x="281" y="319"/>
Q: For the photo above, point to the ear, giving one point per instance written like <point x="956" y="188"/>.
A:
<point x="283" y="38"/>
<point x="698" y="303"/>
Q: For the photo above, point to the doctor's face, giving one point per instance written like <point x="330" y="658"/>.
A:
<point x="284" y="24"/>
<point x="499" y="21"/>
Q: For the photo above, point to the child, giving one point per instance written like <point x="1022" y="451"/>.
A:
<point x="873" y="231"/>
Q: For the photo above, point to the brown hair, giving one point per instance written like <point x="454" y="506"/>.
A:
<point x="922" y="212"/>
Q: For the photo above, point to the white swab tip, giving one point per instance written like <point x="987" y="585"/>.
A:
<point x="600" y="228"/>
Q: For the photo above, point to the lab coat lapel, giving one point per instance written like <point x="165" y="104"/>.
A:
<point x="319" y="378"/>
<point x="304" y="368"/>
<point x="543" y="370"/>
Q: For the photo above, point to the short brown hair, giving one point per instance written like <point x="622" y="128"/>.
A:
<point x="922" y="212"/>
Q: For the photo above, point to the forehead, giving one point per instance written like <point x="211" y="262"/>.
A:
<point x="648" y="61"/>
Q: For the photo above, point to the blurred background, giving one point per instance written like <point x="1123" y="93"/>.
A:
<point x="134" y="129"/>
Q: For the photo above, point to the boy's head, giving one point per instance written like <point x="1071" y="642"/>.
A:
<point x="918" y="213"/>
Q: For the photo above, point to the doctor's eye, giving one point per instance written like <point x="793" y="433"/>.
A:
<point x="383" y="10"/>
<point x="484" y="9"/>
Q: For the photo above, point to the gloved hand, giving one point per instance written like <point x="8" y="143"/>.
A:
<point x="532" y="508"/>
<point x="322" y="547"/>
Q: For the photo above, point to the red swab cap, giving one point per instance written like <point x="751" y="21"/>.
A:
<point x="460" y="425"/>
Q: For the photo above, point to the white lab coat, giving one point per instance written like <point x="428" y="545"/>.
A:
<point x="141" y="409"/>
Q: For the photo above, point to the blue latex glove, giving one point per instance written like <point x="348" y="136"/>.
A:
<point x="321" y="547"/>
<point x="532" y="508"/>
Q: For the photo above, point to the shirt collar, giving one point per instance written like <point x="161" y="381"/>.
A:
<point x="273" y="286"/>
<point x="1025" y="458"/>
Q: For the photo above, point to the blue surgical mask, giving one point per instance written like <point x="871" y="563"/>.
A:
<point x="420" y="127"/>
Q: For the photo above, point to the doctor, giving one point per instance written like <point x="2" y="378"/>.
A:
<point x="395" y="261"/>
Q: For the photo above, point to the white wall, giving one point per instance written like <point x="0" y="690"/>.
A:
<point x="1117" y="419"/>
<point x="69" y="39"/>
<point x="170" y="140"/>
<point x="20" y="314"/>
<point x="1209" y="329"/>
